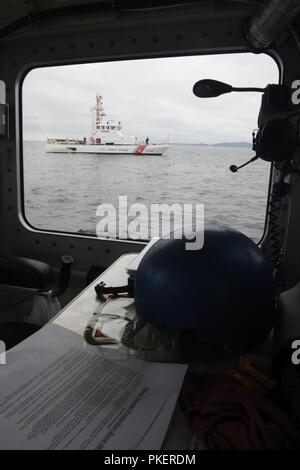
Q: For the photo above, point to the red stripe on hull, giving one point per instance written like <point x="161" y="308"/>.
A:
<point x="140" y="148"/>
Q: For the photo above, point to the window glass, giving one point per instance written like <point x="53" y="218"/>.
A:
<point x="95" y="132"/>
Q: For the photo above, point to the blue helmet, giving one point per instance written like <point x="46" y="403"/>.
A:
<point x="223" y="291"/>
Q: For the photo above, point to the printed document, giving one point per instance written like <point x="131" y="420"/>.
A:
<point x="57" y="394"/>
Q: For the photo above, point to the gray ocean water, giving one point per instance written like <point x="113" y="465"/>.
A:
<point x="63" y="191"/>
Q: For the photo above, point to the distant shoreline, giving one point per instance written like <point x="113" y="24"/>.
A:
<point x="222" y="144"/>
<point x="200" y="144"/>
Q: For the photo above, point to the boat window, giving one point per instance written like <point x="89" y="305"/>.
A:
<point x="172" y="148"/>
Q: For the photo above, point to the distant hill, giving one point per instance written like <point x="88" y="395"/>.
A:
<point x="221" y="144"/>
<point x="233" y="144"/>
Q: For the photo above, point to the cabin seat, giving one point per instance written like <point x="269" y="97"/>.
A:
<point x="25" y="273"/>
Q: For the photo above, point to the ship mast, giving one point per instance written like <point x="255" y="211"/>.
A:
<point x="99" y="109"/>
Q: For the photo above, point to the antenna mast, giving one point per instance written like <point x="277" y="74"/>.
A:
<point x="99" y="109"/>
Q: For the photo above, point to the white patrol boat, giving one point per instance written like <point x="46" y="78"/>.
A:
<point x="106" y="138"/>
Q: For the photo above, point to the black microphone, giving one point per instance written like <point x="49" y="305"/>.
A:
<point x="212" y="88"/>
<point x="235" y="168"/>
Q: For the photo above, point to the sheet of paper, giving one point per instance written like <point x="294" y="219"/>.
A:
<point x="156" y="434"/>
<point x="56" y="394"/>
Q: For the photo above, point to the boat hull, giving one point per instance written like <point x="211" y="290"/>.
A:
<point x="140" y="149"/>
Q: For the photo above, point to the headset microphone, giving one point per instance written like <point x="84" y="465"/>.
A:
<point x="276" y="138"/>
<point x="235" y="168"/>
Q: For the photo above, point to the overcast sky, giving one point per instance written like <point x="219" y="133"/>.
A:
<point x="151" y="97"/>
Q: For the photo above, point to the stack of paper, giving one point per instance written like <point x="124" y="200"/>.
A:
<point x="57" y="394"/>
